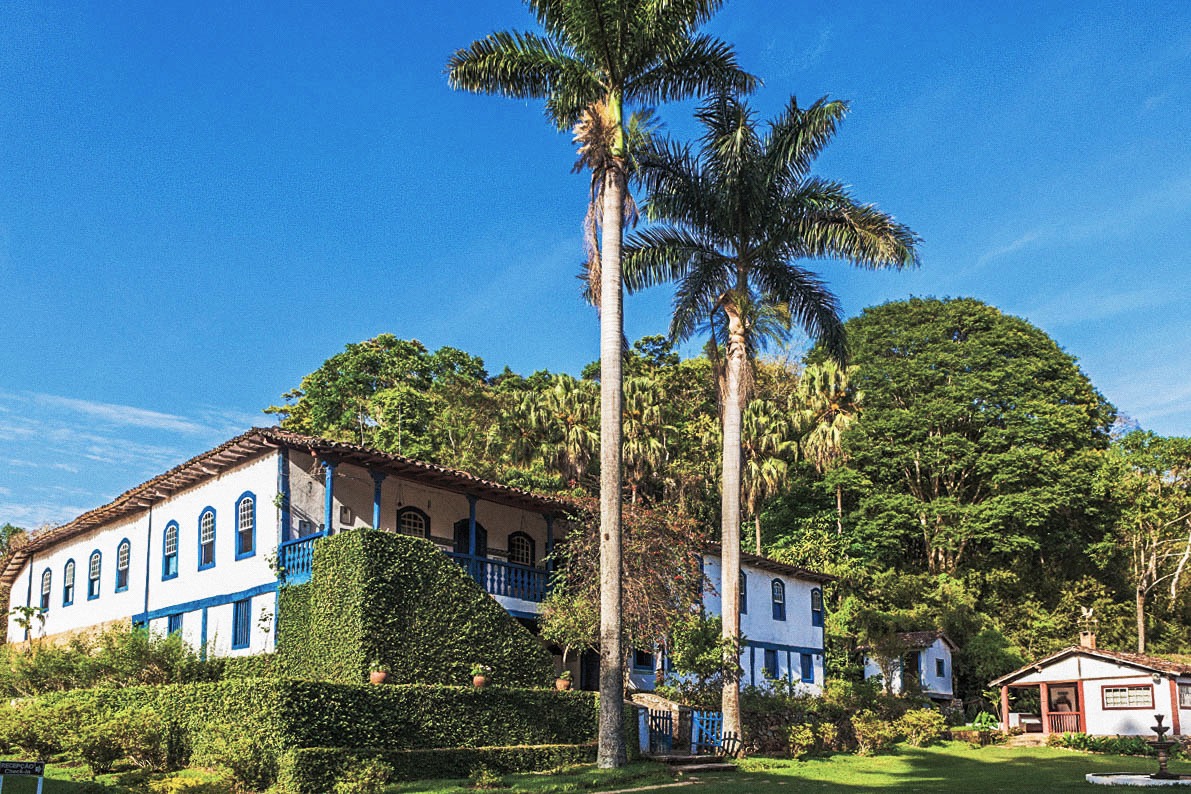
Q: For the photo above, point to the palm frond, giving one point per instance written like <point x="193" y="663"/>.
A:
<point x="798" y="135"/>
<point x="703" y="65"/>
<point x="513" y="64"/>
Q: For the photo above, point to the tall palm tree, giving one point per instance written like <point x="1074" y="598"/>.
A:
<point x="828" y="406"/>
<point x="645" y="431"/>
<point x="596" y="56"/>
<point x="733" y="221"/>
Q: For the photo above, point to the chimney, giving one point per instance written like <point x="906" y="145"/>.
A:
<point x="1087" y="639"/>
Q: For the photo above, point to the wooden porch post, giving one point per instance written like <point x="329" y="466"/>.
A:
<point x="1083" y="709"/>
<point x="1044" y="697"/>
<point x="471" y="526"/>
<point x="1005" y="707"/>
<point x="378" y="477"/>
<point x="1176" y="729"/>
<point x="329" y="504"/>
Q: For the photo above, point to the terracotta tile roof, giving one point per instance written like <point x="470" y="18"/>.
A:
<point x="1170" y="664"/>
<point x="924" y="639"/>
<point x="252" y="444"/>
<point x="773" y="566"/>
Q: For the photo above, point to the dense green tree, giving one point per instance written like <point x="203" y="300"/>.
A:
<point x="734" y="221"/>
<point x="1148" y="478"/>
<point x="978" y="441"/>
<point x="593" y="58"/>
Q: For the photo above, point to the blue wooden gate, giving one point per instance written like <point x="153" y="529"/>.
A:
<point x="661" y="732"/>
<point x="706" y="727"/>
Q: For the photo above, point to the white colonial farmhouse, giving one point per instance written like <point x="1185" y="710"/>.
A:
<point x="1083" y="689"/>
<point x="202" y="548"/>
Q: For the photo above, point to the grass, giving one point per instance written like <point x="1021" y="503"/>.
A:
<point x="952" y="766"/>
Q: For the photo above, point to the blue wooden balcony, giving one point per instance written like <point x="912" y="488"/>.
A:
<point x="295" y="558"/>
<point x="504" y="578"/>
<point x="498" y="578"/>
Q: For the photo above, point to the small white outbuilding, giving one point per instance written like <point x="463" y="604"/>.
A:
<point x="1083" y="689"/>
<point x="917" y="661"/>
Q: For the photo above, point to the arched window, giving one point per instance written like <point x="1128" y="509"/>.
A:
<point x="93" y="575"/>
<point x="169" y="551"/>
<point x="68" y="584"/>
<point x="246" y="525"/>
<point x="779" y="599"/>
<point x="207" y="539"/>
<point x="123" y="553"/>
<point x="462" y="539"/>
<point x="816" y="607"/>
<point x="744" y="593"/>
<point x="412" y="521"/>
<point x="46" y="583"/>
<point x="521" y="549"/>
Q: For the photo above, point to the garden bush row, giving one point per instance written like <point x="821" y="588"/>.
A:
<point x="317" y="770"/>
<point x="246" y="725"/>
<point x="1112" y="745"/>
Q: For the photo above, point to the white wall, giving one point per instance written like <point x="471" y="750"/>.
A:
<point x="790" y="637"/>
<point x="930" y="681"/>
<point x="192" y="590"/>
<point x="1132" y="721"/>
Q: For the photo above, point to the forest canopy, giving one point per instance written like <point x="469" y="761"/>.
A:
<point x="962" y="473"/>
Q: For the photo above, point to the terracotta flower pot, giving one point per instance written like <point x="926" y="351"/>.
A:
<point x="479" y="681"/>
<point x="378" y="676"/>
<point x="562" y="684"/>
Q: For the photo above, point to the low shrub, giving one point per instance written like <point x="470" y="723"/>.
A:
<point x="1113" y="745"/>
<point x="368" y="776"/>
<point x="810" y="738"/>
<point x="986" y="722"/>
<point x="873" y="733"/>
<point x="485" y="779"/>
<point x="315" y="770"/>
<point x="250" y="762"/>
<point x="98" y="746"/>
<point x="39" y="729"/>
<point x="922" y="727"/>
<point x="145" y="738"/>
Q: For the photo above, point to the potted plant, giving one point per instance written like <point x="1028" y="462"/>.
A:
<point x="479" y="675"/>
<point x="378" y="672"/>
<point x="563" y="682"/>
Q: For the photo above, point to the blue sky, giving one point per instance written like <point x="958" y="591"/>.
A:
<point x="199" y="203"/>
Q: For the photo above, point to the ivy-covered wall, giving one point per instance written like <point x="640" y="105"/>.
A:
<point x="398" y="600"/>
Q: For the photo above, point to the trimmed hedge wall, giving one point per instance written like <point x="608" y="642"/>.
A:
<point x="399" y="600"/>
<point x="314" y="770"/>
<point x="285" y="714"/>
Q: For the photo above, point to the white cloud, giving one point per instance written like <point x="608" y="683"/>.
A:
<point x="125" y="415"/>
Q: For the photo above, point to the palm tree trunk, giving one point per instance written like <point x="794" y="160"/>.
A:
<point x="757" y="526"/>
<point x="730" y="524"/>
<point x="839" y="509"/>
<point x="611" y="751"/>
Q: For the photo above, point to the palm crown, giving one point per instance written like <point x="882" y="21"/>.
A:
<point x="737" y="217"/>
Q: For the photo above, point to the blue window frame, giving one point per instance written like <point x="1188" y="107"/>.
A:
<point x="241" y="623"/>
<point x="816" y="607"/>
<point x="808" y="668"/>
<point x="169" y="551"/>
<point x="770" y="669"/>
<point x="94" y="564"/>
<point x="246" y="525"/>
<point x="47" y="583"/>
<point x="779" y="599"/>
<point x="206" y="539"/>
<point x="123" y="559"/>
<point x="940" y="668"/>
<point x="642" y="660"/>
<point x="744" y="593"/>
<point x="174" y="623"/>
<point x="68" y="583"/>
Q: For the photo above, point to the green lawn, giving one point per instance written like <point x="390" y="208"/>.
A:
<point x="953" y="766"/>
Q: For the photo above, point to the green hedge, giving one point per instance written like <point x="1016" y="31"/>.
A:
<point x="314" y="770"/>
<point x="283" y="714"/>
<point x="399" y="600"/>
